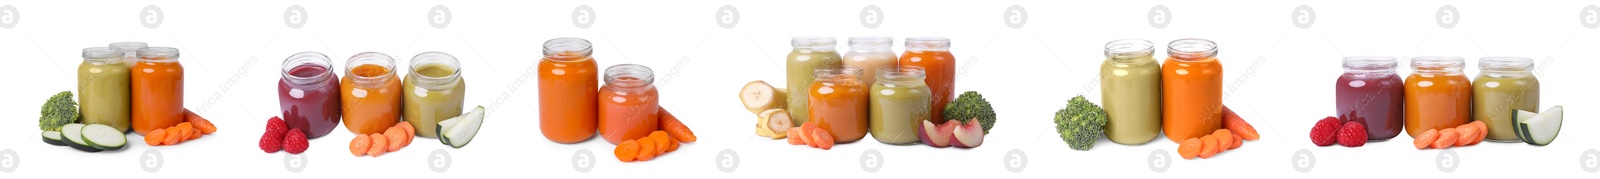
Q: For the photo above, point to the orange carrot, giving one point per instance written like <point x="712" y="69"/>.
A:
<point x="824" y="140"/>
<point x="205" y="126"/>
<point x="397" y="138"/>
<point x="1483" y="132"/>
<point x="184" y="128"/>
<point x="410" y="131"/>
<point x="174" y="136"/>
<point x="1447" y="138"/>
<point x="1237" y="141"/>
<point x="1236" y="124"/>
<point x="379" y="145"/>
<point x="673" y="126"/>
<point x="1224" y="139"/>
<point x="1427" y="137"/>
<point x="1466" y="133"/>
<point x="627" y="150"/>
<point x="359" y="145"/>
<point x="647" y="150"/>
<point x="674" y="146"/>
<point x="1208" y="146"/>
<point x="795" y="138"/>
<point x="660" y="138"/>
<point x="1190" y="149"/>
<point x="806" y="129"/>
<point x="155" y="137"/>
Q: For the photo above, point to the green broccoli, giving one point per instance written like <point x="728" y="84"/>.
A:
<point x="1081" y="123"/>
<point x="59" y="111"/>
<point x="971" y="106"/>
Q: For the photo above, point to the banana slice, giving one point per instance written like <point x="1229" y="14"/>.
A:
<point x="777" y="120"/>
<point x="758" y="96"/>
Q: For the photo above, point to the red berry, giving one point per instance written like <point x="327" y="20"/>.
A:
<point x="1323" y="134"/>
<point x="295" y="142"/>
<point x="1353" y="134"/>
<point x="271" y="141"/>
<point x="277" y="125"/>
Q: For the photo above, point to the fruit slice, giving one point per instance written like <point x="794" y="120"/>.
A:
<point x="777" y="121"/>
<point x="1541" y="129"/>
<point x="935" y="135"/>
<point x="74" y="135"/>
<point x="53" y="138"/>
<point x="104" y="137"/>
<point x="967" y="135"/>
<point x="461" y="132"/>
<point x="759" y="96"/>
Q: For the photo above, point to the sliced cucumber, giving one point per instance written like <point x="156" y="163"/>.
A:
<point x="445" y="124"/>
<point x="1541" y="129"/>
<point x="104" y="137"/>
<point x="461" y="128"/>
<point x="1517" y="116"/>
<point x="53" y="138"/>
<point x="73" y="133"/>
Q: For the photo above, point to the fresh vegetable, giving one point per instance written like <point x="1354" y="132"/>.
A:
<point x="1427" y="137"/>
<point x="1466" y="133"/>
<point x="461" y="128"/>
<point x="1080" y="124"/>
<point x="810" y="135"/>
<point x="200" y="123"/>
<point x="758" y="96"/>
<point x="824" y="140"/>
<point x="971" y="106"/>
<point x="155" y="138"/>
<point x="1224" y="139"/>
<point x="359" y="145"/>
<point x="74" y="134"/>
<point x="1208" y="146"/>
<point x="378" y="143"/>
<point x="58" y="111"/>
<point x="1204" y="147"/>
<point x="398" y="136"/>
<point x="647" y="150"/>
<point x="1463" y="135"/>
<point x="674" y="127"/>
<point x="1190" y="148"/>
<point x="627" y="150"/>
<point x="103" y="137"/>
<point x="1483" y="131"/>
<point x="1237" y="125"/>
<point x="52" y="138"/>
<point x="1447" y="138"/>
<point x="1538" y="129"/>
<point x="774" y="123"/>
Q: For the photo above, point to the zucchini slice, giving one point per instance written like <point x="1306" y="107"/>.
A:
<point x="104" y="137"/>
<point x="73" y="133"/>
<point x="53" y="138"/>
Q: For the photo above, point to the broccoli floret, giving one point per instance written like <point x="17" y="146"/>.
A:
<point x="59" y="111"/>
<point x="1081" y="123"/>
<point x="971" y="106"/>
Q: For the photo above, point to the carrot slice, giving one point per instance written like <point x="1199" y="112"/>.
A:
<point x="1224" y="139"/>
<point x="1190" y="149"/>
<point x="627" y="150"/>
<point x="1208" y="146"/>
<point x="647" y="150"/>
<point x="410" y="131"/>
<point x="1447" y="138"/>
<point x="1427" y="137"/>
<point x="1236" y="124"/>
<point x="155" y="137"/>
<point x="1483" y="132"/>
<point x="186" y="129"/>
<point x="824" y="140"/>
<point x="660" y="138"/>
<point x="174" y="136"/>
<point x="1466" y="133"/>
<point x="674" y="144"/>
<point x="795" y="138"/>
<point x="359" y="145"/>
<point x="806" y="129"/>
<point x="673" y="126"/>
<point x="379" y="145"/>
<point x="397" y="136"/>
<point x="1237" y="141"/>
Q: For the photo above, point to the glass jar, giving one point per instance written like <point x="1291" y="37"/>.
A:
<point x="370" y="92"/>
<point x="838" y="102"/>
<point x="434" y="91"/>
<point x="1437" y="94"/>
<point x="898" y="104"/>
<point x="1369" y="92"/>
<point x="157" y="89"/>
<point x="1130" y="90"/>
<point x="129" y="51"/>
<point x="809" y="54"/>
<point x="568" y="86"/>
<point x="103" y="82"/>
<point x="933" y="55"/>
<point x="870" y="53"/>
<point x="1503" y="84"/>
<point x="1191" y="89"/>
<point x="629" y="106"/>
<point x="308" y="94"/>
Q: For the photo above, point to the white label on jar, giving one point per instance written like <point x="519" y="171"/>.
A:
<point x="421" y="92"/>
<point x="297" y="93"/>
<point x="359" y="93"/>
<point x="1358" y="83"/>
<point x="886" y="92"/>
<point x="1425" y="83"/>
<point x="1492" y="84"/>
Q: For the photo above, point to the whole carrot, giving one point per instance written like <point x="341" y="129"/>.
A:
<point x="675" y="128"/>
<point x="1237" y="125"/>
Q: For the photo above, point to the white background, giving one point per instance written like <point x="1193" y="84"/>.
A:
<point x="232" y="51"/>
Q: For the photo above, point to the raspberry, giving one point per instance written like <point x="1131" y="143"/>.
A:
<point x="1323" y="134"/>
<point x="277" y="125"/>
<point x="295" y="142"/>
<point x="271" y="141"/>
<point x="1353" y="134"/>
